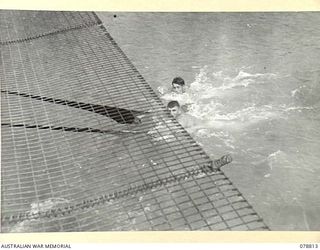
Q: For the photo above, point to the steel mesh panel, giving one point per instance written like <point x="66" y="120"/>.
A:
<point x="87" y="145"/>
<point x="19" y="25"/>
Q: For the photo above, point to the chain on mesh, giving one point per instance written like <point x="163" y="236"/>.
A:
<point x="211" y="168"/>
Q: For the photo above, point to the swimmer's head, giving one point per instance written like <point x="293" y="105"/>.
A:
<point x="174" y="108"/>
<point x="178" y="85"/>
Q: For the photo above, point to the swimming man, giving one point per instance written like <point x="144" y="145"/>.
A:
<point x="187" y="121"/>
<point x="178" y="85"/>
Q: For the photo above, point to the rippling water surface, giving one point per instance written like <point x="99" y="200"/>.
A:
<point x="254" y="78"/>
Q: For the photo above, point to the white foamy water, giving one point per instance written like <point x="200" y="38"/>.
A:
<point x="206" y="95"/>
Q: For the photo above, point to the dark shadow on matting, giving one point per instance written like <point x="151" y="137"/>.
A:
<point x="88" y="146"/>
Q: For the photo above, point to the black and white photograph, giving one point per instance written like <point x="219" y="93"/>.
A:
<point x="159" y="121"/>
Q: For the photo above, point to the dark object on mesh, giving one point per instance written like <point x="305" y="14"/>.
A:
<point x="73" y="129"/>
<point x="120" y="115"/>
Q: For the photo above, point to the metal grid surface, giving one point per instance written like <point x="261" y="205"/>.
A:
<point x="88" y="146"/>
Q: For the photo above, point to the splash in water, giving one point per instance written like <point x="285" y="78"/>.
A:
<point x="211" y="98"/>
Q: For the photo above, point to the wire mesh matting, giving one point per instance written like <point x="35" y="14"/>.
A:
<point x="86" y="143"/>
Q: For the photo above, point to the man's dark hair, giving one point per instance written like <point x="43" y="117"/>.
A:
<point x="172" y="104"/>
<point x="178" y="80"/>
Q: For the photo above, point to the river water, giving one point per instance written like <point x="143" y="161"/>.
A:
<point x="254" y="78"/>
